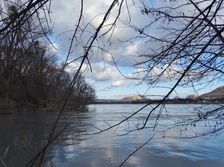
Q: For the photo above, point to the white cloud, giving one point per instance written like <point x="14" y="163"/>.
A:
<point x="132" y="49"/>
<point x="100" y="71"/>
<point x="107" y="73"/>
<point x="65" y="16"/>
<point x="103" y="72"/>
<point x="118" y="83"/>
<point x="73" y="67"/>
<point x="126" y="54"/>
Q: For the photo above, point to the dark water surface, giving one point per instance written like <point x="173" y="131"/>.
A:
<point x="23" y="134"/>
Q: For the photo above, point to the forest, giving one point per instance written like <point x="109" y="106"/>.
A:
<point x="30" y="75"/>
<point x="165" y="48"/>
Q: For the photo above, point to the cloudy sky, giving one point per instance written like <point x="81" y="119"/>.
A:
<point x="107" y="78"/>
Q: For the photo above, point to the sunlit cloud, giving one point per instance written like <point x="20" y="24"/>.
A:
<point x="118" y="83"/>
<point x="123" y="48"/>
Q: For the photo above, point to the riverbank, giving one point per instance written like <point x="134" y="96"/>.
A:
<point x="53" y="105"/>
<point x="7" y="106"/>
<point x="168" y="101"/>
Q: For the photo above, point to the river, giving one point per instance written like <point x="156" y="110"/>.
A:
<point x="23" y="134"/>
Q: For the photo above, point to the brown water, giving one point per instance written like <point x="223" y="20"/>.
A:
<point x="23" y="134"/>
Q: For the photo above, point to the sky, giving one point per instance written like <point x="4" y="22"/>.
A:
<point x="107" y="78"/>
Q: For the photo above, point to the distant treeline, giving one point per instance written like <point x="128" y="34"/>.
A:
<point x="29" y="74"/>
<point x="167" y="101"/>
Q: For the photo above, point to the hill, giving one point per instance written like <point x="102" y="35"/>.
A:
<point x="137" y="98"/>
<point x="216" y="94"/>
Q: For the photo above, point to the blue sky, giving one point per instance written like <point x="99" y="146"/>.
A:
<point x="105" y="78"/>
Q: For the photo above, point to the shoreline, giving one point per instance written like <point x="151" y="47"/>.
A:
<point x="182" y="101"/>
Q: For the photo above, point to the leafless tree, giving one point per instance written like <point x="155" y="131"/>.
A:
<point x="189" y="49"/>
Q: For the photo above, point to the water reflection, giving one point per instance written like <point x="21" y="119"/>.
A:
<point x="26" y="132"/>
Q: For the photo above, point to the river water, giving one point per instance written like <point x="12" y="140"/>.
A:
<point x="23" y="134"/>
